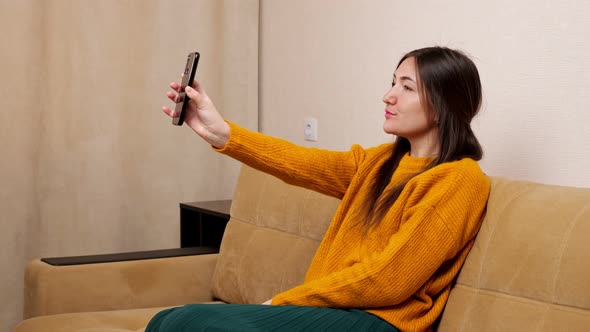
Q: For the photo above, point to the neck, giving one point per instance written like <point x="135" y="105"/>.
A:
<point x="426" y="146"/>
<point x="424" y="153"/>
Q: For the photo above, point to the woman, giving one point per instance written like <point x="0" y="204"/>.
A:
<point x="408" y="215"/>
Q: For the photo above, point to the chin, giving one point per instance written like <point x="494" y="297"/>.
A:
<point x="389" y="130"/>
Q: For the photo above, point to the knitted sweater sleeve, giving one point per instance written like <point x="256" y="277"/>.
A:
<point x="433" y="231"/>
<point x="328" y="172"/>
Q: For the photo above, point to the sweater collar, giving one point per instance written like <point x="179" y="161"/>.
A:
<point x="414" y="164"/>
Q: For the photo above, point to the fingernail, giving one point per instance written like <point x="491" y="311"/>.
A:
<point x="188" y="88"/>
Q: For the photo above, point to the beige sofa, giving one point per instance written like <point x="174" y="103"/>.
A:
<point x="529" y="269"/>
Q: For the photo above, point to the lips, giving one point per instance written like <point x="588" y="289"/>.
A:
<point x="388" y="114"/>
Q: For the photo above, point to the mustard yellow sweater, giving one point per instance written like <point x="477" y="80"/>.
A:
<point x="401" y="270"/>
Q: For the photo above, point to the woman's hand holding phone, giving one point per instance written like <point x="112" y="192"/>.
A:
<point x="201" y="115"/>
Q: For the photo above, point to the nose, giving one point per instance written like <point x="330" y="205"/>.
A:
<point x="390" y="97"/>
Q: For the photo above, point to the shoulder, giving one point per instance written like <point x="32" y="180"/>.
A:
<point x="378" y="149"/>
<point x="457" y="192"/>
<point x="458" y="171"/>
<point x="378" y="152"/>
<point x="370" y="156"/>
<point x="461" y="178"/>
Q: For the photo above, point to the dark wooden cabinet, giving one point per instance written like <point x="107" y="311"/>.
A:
<point x="202" y="223"/>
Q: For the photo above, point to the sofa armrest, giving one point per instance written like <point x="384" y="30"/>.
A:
<point x="113" y="284"/>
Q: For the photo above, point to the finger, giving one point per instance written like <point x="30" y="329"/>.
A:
<point x="169" y="112"/>
<point x="175" y="86"/>
<point x="172" y="96"/>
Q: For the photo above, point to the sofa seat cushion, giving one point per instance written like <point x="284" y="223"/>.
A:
<point x="99" y="321"/>
<point x="117" y="320"/>
<point x="495" y="311"/>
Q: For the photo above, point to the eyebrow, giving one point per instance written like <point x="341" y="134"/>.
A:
<point x="404" y="78"/>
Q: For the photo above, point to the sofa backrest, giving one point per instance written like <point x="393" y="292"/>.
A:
<point x="270" y="239"/>
<point x="529" y="269"/>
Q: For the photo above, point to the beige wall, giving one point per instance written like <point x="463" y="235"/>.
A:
<point x="19" y="62"/>
<point x="334" y="59"/>
<point x="89" y="163"/>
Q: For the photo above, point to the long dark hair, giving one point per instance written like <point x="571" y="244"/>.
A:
<point x="450" y="90"/>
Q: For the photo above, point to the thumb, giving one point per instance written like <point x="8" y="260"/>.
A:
<point x="197" y="86"/>
<point x="193" y="94"/>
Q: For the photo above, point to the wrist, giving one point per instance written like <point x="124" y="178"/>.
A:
<point x="222" y="137"/>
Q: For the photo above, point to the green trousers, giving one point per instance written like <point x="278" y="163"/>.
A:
<point x="246" y="317"/>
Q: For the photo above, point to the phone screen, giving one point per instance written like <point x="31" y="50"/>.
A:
<point x="188" y="76"/>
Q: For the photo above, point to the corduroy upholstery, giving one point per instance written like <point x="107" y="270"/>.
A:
<point x="270" y="240"/>
<point x="529" y="269"/>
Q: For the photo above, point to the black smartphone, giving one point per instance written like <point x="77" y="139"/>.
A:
<point x="187" y="80"/>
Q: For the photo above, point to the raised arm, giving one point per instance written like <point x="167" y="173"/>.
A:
<point x="328" y="172"/>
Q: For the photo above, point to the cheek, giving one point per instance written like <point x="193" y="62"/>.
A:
<point x="418" y="116"/>
<point x="423" y="117"/>
<point x="410" y="101"/>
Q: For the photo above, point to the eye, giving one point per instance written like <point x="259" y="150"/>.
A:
<point x="392" y="84"/>
<point x="407" y="88"/>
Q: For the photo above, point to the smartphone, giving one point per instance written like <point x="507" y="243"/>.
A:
<point x="188" y="76"/>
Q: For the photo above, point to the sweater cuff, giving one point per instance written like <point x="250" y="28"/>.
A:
<point x="285" y="298"/>
<point x="232" y="130"/>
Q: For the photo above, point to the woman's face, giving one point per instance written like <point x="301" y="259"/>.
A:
<point x="405" y="115"/>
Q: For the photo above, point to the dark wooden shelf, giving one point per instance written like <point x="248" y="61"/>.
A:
<point x="202" y="224"/>
<point x="129" y="256"/>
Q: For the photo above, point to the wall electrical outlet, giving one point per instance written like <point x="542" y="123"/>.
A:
<point x="310" y="129"/>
